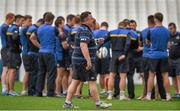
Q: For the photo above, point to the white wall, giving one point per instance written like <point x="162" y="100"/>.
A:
<point x="103" y="10"/>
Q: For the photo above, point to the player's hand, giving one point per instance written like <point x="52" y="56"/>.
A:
<point x="60" y="34"/>
<point x="98" y="54"/>
<point x="122" y="57"/>
<point x="148" y="42"/>
<point x="139" y="49"/>
<point x="170" y="44"/>
<point x="89" y="65"/>
<point x="65" y="45"/>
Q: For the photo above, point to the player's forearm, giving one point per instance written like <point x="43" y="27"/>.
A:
<point x="34" y="40"/>
<point x="85" y="51"/>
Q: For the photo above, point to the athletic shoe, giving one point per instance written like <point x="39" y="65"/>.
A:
<point x="5" y="93"/>
<point x="109" y="97"/>
<point x="62" y="95"/>
<point x="141" y="97"/>
<point x="146" y="99"/>
<point x="103" y="93"/>
<point x="24" y="93"/>
<point x="123" y="98"/>
<point x="44" y="93"/>
<point x="168" y="98"/>
<point x="104" y="105"/>
<point x="13" y="93"/>
<point x="177" y="96"/>
<point x="69" y="106"/>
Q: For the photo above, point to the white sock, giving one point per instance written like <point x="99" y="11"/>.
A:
<point x="110" y="93"/>
<point x="148" y="95"/>
<point x="122" y="93"/>
<point x="4" y="87"/>
<point x="65" y="92"/>
<point x="98" y="102"/>
<point x="168" y="96"/>
<point x="67" y="101"/>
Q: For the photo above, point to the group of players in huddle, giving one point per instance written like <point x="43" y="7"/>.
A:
<point x="66" y="55"/>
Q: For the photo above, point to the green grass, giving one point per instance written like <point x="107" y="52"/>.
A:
<point x="45" y="103"/>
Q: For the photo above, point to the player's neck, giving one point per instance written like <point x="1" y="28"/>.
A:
<point x="159" y="24"/>
<point x="76" y="25"/>
<point x="25" y="25"/>
<point x="103" y="28"/>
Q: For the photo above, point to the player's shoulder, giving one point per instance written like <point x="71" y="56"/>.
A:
<point x="145" y="30"/>
<point x="67" y="27"/>
<point x="75" y="29"/>
<point x="114" y="31"/>
<point x="4" y="26"/>
<point x="12" y="28"/>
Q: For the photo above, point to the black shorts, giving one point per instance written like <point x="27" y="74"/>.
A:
<point x="117" y="66"/>
<point x="70" y="56"/>
<point x="158" y="64"/>
<point x="60" y="63"/>
<point x="14" y="60"/>
<point x="174" y="67"/>
<point x="66" y="62"/>
<point x="80" y="73"/>
<point x="102" y="66"/>
<point x="145" y="64"/>
<point x="26" y="62"/>
<point x="4" y="55"/>
<point x="136" y="63"/>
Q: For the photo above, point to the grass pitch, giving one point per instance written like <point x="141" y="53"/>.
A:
<point x="45" y="103"/>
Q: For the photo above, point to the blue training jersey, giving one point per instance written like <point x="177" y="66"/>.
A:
<point x="47" y="37"/>
<point x="3" y="31"/>
<point x="24" y="40"/>
<point x="143" y="37"/>
<point x="159" y="37"/>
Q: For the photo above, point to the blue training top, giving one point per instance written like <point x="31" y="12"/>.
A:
<point x="143" y="37"/>
<point x="159" y="37"/>
<point x="3" y="30"/>
<point x="47" y="38"/>
<point x="24" y="40"/>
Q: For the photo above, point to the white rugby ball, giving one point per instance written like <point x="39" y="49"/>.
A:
<point x="103" y="52"/>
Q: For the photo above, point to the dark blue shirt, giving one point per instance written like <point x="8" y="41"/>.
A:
<point x="102" y="34"/>
<point x="24" y="40"/>
<point x="134" y="44"/>
<point x="73" y="33"/>
<point x="134" y="39"/>
<point x="32" y="48"/>
<point x="13" y="39"/>
<point x="120" y="40"/>
<point x="174" y="51"/>
<point x="159" y="37"/>
<point x="67" y="32"/>
<point x="3" y="31"/>
<point x="59" y="50"/>
<point x="71" y="39"/>
<point x="47" y="37"/>
<point x="85" y="35"/>
<point x="32" y="29"/>
<point x="143" y="37"/>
